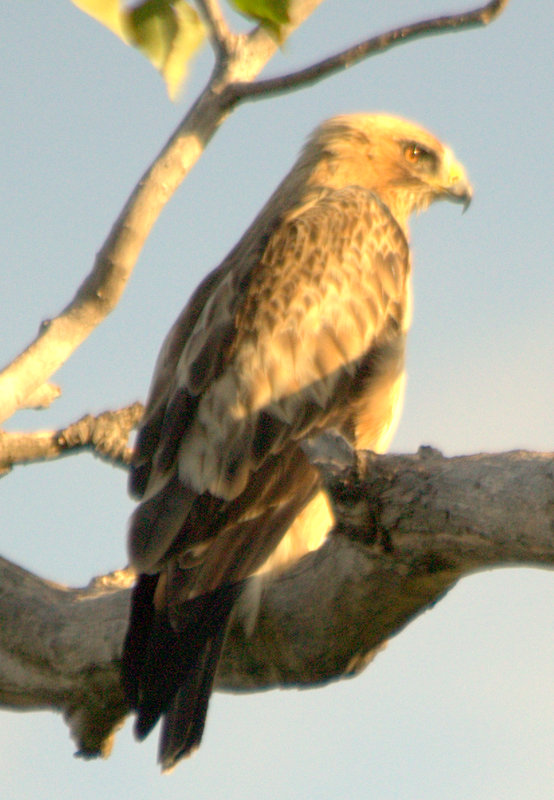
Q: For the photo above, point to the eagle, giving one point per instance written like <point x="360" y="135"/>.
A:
<point x="300" y="331"/>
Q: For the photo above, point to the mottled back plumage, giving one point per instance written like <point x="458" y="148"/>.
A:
<point x="299" y="331"/>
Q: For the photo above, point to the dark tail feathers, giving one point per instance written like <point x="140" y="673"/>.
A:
<point x="170" y="673"/>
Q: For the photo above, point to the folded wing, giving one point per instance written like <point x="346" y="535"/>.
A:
<point x="288" y="338"/>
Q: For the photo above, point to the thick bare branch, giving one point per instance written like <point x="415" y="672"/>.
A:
<point x="106" y="434"/>
<point x="358" y="52"/>
<point x="408" y="528"/>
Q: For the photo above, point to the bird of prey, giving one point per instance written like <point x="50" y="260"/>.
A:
<point x="300" y="330"/>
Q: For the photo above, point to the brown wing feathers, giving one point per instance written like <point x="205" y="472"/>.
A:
<point x="300" y="330"/>
<point x="293" y="345"/>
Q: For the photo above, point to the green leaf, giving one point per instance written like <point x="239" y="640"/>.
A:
<point x="269" y="13"/>
<point x="167" y="32"/>
<point x="107" y="12"/>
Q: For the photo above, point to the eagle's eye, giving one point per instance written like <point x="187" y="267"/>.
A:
<point x="414" y="153"/>
<point x="425" y="161"/>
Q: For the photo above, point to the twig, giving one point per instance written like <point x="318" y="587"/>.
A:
<point x="237" y="92"/>
<point x="106" y="434"/>
<point x="43" y="397"/>
<point x="222" y="38"/>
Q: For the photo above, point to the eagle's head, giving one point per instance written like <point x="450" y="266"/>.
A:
<point x="403" y="164"/>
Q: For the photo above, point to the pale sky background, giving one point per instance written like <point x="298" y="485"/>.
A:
<point x="461" y="704"/>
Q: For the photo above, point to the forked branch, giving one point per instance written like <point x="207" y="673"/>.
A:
<point x="231" y="82"/>
<point x="354" y="54"/>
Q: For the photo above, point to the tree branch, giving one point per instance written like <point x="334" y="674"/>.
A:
<point x="352" y="55"/>
<point x="42" y="397"/>
<point x="101" y="290"/>
<point x="408" y="528"/>
<point x="106" y="434"/>
<point x="230" y="83"/>
<point x="223" y="40"/>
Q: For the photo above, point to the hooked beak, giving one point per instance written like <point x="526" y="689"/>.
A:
<point x="456" y="186"/>
<point x="460" y="192"/>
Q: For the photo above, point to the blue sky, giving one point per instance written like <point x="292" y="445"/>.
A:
<point x="460" y="704"/>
